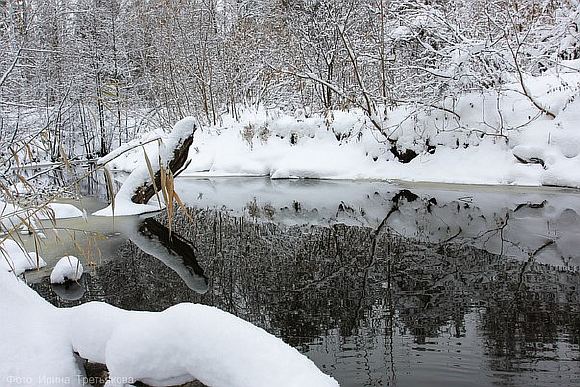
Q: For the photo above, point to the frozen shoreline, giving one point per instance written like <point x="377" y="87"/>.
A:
<point x="39" y="342"/>
<point x="483" y="138"/>
<point x="398" y="182"/>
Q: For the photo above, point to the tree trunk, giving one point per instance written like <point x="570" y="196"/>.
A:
<point x="145" y="192"/>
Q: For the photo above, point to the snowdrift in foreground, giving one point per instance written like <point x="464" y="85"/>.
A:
<point x="193" y="340"/>
<point x="180" y="344"/>
<point x="487" y="137"/>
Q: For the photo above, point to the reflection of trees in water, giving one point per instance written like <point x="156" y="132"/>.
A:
<point x="515" y="226"/>
<point x="527" y="320"/>
<point x="301" y="282"/>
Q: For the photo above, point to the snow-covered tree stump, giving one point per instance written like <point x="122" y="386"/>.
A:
<point x="175" y="164"/>
<point x="153" y="173"/>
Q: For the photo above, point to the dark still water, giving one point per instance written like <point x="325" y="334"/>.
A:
<point x="378" y="284"/>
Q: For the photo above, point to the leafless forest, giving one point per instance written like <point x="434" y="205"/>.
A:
<point x="79" y="77"/>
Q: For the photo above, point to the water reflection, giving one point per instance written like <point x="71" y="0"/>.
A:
<point x="70" y="291"/>
<point x="401" y="287"/>
<point x="512" y="222"/>
<point x="176" y="252"/>
<point x="370" y="306"/>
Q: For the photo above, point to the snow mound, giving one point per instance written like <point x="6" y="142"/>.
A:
<point x="67" y="268"/>
<point x="26" y="219"/>
<point x="187" y="342"/>
<point x="183" y="343"/>
<point x="34" y="347"/>
<point x="14" y="258"/>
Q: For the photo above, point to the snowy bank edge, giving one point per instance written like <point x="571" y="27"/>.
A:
<point x="102" y="333"/>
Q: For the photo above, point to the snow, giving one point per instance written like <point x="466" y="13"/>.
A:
<point x="401" y="32"/>
<point x="140" y="172"/>
<point x="490" y="162"/>
<point x="180" y="344"/>
<point x="149" y="142"/>
<point x="12" y="215"/>
<point x="60" y="211"/>
<point x="186" y="341"/>
<point x="479" y="145"/>
<point x="34" y="347"/>
<point x="14" y="258"/>
<point x="66" y="269"/>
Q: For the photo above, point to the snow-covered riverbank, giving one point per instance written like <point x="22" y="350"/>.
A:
<point x="38" y="343"/>
<point x="479" y="138"/>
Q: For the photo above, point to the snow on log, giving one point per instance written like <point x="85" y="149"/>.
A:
<point x="187" y="342"/>
<point x="183" y="343"/>
<point x="179" y="142"/>
<point x="138" y="189"/>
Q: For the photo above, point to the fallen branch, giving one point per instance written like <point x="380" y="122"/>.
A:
<point x="145" y="192"/>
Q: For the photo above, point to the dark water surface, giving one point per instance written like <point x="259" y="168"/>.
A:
<point x="378" y="284"/>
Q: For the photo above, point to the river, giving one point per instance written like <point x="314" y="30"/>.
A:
<point x="378" y="283"/>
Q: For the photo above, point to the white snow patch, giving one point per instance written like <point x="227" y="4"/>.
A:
<point x="14" y="216"/>
<point x="180" y="344"/>
<point x="15" y="259"/>
<point x="60" y="211"/>
<point x="67" y="268"/>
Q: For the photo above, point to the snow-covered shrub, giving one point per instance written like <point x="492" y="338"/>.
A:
<point x="248" y="133"/>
